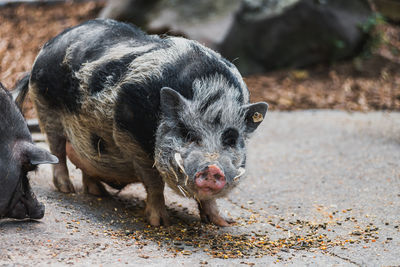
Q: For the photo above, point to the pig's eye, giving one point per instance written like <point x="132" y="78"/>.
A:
<point x="230" y="137"/>
<point x="192" y="137"/>
<point x="188" y="134"/>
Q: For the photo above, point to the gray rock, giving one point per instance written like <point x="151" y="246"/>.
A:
<point x="270" y="34"/>
<point x="207" y="21"/>
<point x="134" y="11"/>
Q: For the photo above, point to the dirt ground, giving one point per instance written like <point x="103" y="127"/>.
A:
<point x="362" y="84"/>
<point x="322" y="189"/>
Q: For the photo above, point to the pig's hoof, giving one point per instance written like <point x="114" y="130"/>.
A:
<point x="95" y="190"/>
<point x="209" y="213"/>
<point x="157" y="217"/>
<point x="93" y="187"/>
<point x="63" y="184"/>
<point x="215" y="219"/>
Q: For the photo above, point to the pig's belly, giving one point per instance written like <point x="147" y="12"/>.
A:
<point x="89" y="131"/>
<point x="82" y="163"/>
<point x="105" y="170"/>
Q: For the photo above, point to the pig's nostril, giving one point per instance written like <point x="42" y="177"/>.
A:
<point x="215" y="172"/>
<point x="211" y="178"/>
<point x="219" y="177"/>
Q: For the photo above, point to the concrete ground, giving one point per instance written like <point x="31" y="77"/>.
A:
<point x="323" y="188"/>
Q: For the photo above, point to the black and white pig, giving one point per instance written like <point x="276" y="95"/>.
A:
<point x="18" y="156"/>
<point x="129" y="107"/>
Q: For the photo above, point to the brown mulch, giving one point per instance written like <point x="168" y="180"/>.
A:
<point x="342" y="86"/>
<point x="25" y="28"/>
<point x="362" y="84"/>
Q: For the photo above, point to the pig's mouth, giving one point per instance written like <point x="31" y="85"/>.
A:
<point x="24" y="209"/>
<point x="26" y="205"/>
<point x="207" y="183"/>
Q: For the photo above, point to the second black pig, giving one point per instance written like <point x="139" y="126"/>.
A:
<point x="18" y="156"/>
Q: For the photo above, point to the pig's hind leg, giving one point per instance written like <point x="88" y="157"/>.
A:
<point x="93" y="186"/>
<point x="51" y="125"/>
<point x="60" y="171"/>
<point x="90" y="180"/>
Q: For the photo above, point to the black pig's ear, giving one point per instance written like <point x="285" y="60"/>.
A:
<point x="171" y="102"/>
<point x="255" y="114"/>
<point x="37" y="155"/>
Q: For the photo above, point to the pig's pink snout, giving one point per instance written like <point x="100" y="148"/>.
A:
<point x="211" y="178"/>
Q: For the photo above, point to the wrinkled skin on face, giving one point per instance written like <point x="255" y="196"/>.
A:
<point x="18" y="156"/>
<point x="202" y="154"/>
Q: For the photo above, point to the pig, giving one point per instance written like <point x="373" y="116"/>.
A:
<point x="127" y="107"/>
<point x="18" y="156"/>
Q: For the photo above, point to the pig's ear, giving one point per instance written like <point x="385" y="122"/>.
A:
<point x="171" y="102"/>
<point x="37" y="155"/>
<point x="255" y="114"/>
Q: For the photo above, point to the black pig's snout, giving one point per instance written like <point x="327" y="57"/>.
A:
<point x="37" y="212"/>
<point x="27" y="209"/>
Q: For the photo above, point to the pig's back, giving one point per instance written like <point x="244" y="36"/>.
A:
<point x="59" y="74"/>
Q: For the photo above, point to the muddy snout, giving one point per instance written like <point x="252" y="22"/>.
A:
<point x="211" y="178"/>
<point x="25" y="209"/>
<point x="36" y="210"/>
<point x="27" y="206"/>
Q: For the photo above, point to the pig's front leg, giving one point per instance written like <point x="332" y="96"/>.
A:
<point x="156" y="211"/>
<point x="209" y="213"/>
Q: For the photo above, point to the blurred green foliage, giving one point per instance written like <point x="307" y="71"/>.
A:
<point x="374" y="34"/>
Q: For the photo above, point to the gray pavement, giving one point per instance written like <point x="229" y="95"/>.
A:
<point x="323" y="189"/>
